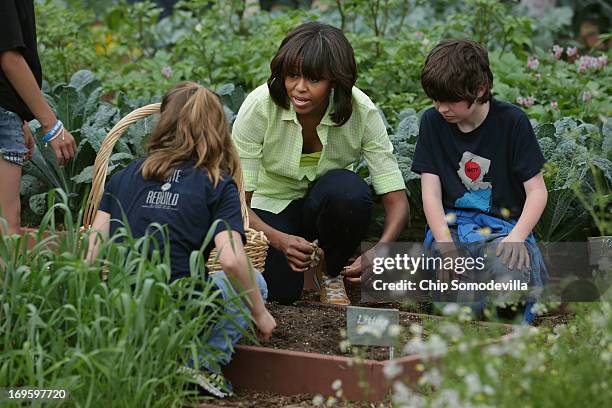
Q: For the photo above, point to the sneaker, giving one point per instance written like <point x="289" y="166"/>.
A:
<point x="331" y="290"/>
<point x="215" y="384"/>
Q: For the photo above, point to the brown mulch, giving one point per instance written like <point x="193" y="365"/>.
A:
<point x="257" y="399"/>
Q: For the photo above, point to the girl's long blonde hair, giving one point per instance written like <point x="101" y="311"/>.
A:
<point x="192" y="127"/>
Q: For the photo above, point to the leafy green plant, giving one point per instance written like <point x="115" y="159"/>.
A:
<point x="119" y="340"/>
<point x="571" y="149"/>
<point x="65" y="40"/>
<point x="79" y="107"/>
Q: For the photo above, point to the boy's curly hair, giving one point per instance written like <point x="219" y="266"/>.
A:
<point x="455" y="70"/>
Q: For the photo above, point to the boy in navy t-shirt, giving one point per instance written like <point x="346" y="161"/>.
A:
<point x="480" y="166"/>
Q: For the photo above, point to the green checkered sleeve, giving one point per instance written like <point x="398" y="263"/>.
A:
<point x="378" y="154"/>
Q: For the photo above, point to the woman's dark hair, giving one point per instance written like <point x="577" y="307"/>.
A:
<point x="317" y="51"/>
<point x="455" y="70"/>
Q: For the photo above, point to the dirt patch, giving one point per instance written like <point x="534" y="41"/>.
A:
<point x="317" y="328"/>
<point x="257" y="399"/>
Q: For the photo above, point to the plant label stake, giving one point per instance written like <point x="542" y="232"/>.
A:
<point x="367" y="326"/>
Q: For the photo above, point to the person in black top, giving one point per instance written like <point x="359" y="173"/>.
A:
<point x="479" y="160"/>
<point x="185" y="183"/>
<point x="21" y="101"/>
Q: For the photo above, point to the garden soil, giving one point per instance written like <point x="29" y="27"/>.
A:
<point x="310" y="326"/>
<point x="256" y="399"/>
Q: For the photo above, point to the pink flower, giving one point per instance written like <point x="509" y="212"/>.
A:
<point x="571" y="51"/>
<point x="419" y="35"/>
<point x="602" y="61"/>
<point x="533" y="63"/>
<point x="585" y="62"/>
<point x="557" y="51"/>
<point x="586" y="96"/>
<point x="554" y="104"/>
<point x="166" y="72"/>
<point x="526" y="102"/>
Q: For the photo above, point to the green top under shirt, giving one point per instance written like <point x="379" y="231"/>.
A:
<point x="308" y="165"/>
<point x="269" y="141"/>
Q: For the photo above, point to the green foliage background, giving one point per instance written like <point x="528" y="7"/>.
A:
<point x="131" y="57"/>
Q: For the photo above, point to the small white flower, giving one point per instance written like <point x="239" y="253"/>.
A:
<point x="404" y="397"/>
<point x="416" y="329"/>
<point x="450" y="309"/>
<point x="472" y="380"/>
<point x="394" y="330"/>
<point x="414" y="346"/>
<point x="432" y="377"/>
<point x="198" y="28"/>
<point x="331" y="401"/>
<point x="452" y="330"/>
<point x="491" y="371"/>
<point x="392" y="370"/>
<point x="318" y="400"/>
<point x="450" y="218"/>
<point x="539" y="309"/>
<point x="465" y="315"/>
<point x="337" y="384"/>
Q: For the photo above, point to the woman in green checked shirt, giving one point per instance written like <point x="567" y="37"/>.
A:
<point x="298" y="137"/>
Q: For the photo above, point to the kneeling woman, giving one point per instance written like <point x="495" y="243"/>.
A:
<point x="298" y="137"/>
<point x="191" y="155"/>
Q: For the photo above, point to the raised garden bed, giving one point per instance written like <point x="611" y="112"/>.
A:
<point x="304" y="355"/>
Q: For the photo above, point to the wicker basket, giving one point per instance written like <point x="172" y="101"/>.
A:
<point x="257" y="244"/>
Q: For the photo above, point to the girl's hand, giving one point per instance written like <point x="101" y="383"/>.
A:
<point x="513" y="252"/>
<point x="29" y="141"/>
<point x="265" y="324"/>
<point x="64" y="147"/>
<point x="298" y="251"/>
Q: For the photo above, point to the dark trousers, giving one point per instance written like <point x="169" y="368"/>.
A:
<point x="336" y="210"/>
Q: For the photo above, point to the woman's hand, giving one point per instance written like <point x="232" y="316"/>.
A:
<point x="265" y="324"/>
<point x="297" y="250"/>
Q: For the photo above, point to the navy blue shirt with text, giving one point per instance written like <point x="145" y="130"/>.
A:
<point x="187" y="202"/>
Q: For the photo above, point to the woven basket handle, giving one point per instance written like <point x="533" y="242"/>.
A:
<point x="100" y="167"/>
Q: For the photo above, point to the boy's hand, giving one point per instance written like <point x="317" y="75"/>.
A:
<point x="513" y="253"/>
<point x="64" y="147"/>
<point x="298" y="251"/>
<point x="30" y="144"/>
<point x="448" y="250"/>
<point x="265" y="325"/>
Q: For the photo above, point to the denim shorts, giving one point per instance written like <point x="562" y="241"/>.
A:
<point x="12" y="142"/>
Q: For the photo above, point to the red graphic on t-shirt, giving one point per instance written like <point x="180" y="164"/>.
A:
<point x="472" y="170"/>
